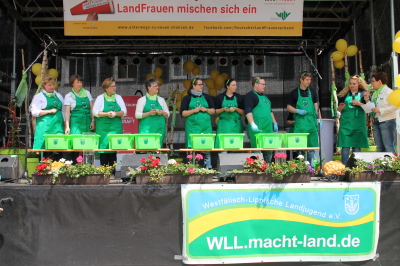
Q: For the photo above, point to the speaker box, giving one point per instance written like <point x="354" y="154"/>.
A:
<point x="366" y="156"/>
<point x="133" y="161"/>
<point x="230" y="161"/>
<point x="10" y="167"/>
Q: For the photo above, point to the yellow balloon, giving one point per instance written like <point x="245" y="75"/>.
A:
<point x="53" y="72"/>
<point x="178" y="106"/>
<point x="212" y="92"/>
<point x="158" y="72"/>
<point x="160" y="81"/>
<point x="396" y="45"/>
<point x="398" y="81"/>
<point x="341" y="45"/>
<point x="225" y="75"/>
<point x="352" y="50"/>
<point x="188" y="66"/>
<point x="397" y="35"/>
<point x="214" y="74"/>
<point x="184" y="93"/>
<point x="36" y="69"/>
<point x="196" y="70"/>
<point x="394" y="98"/>
<point x="210" y="83"/>
<point x="186" y="84"/>
<point x="339" y="64"/>
<point x="55" y="85"/>
<point x="216" y="120"/>
<point x="337" y="56"/>
<point x="37" y="80"/>
<point x="219" y="81"/>
<point x="150" y="75"/>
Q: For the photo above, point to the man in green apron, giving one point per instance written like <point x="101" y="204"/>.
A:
<point x="257" y="108"/>
<point x="197" y="107"/>
<point x="303" y="103"/>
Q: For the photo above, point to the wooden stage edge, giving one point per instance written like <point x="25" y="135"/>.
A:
<point x="189" y="150"/>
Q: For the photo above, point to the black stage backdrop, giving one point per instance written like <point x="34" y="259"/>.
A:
<point x="126" y="225"/>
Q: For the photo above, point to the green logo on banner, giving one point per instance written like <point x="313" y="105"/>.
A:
<point x="283" y="15"/>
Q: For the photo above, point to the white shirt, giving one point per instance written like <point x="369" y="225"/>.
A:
<point x="99" y="104"/>
<point x="387" y="111"/>
<point x="68" y="100"/>
<point x="142" y="102"/>
<point x="39" y="102"/>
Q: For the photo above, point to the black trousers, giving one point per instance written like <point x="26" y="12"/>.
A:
<point x="108" y="159"/>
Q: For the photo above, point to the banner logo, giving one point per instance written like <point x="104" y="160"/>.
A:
<point x="283" y="15"/>
<point x="352" y="204"/>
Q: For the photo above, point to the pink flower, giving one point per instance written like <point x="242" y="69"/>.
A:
<point x="280" y="155"/>
<point x="191" y="170"/>
<point x="189" y="156"/>
<point x="79" y="159"/>
<point x="199" y="156"/>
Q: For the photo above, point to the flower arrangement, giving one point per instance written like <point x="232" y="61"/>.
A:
<point x="254" y="165"/>
<point x="157" y="172"/>
<point x="279" y="170"/>
<point x="49" y="167"/>
<point x="378" y="165"/>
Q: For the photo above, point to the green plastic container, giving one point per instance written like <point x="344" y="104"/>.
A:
<point x="57" y="142"/>
<point x="231" y="141"/>
<point x="85" y="142"/>
<point x="120" y="141"/>
<point x="202" y="141"/>
<point x="269" y="140"/>
<point x="295" y="140"/>
<point x="148" y="141"/>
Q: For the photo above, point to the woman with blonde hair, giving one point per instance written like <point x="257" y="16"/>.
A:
<point x="353" y="124"/>
<point x="47" y="107"/>
<point x="109" y="108"/>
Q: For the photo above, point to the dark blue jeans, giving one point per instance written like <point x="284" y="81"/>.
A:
<point x="346" y="153"/>
<point x="384" y="133"/>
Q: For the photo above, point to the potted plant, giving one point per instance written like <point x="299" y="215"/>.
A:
<point x="257" y="170"/>
<point x="64" y="172"/>
<point x="380" y="169"/>
<point x="151" y="171"/>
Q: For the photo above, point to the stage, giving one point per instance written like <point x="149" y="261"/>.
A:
<point x="125" y="225"/>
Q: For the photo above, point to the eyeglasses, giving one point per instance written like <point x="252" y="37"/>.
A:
<point x="113" y="86"/>
<point x="262" y="84"/>
<point x="201" y="84"/>
<point x="155" y="86"/>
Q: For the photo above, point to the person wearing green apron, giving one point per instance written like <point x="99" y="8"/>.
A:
<point x="47" y="107"/>
<point x="259" y="114"/>
<point x="152" y="111"/>
<point x="353" y="124"/>
<point x="303" y="103"/>
<point x="229" y="107"/>
<point x="109" y="108"/>
<point x="197" y="107"/>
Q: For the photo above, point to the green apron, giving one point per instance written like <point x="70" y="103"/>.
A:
<point x="262" y="118"/>
<point x="353" y="129"/>
<point x="153" y="123"/>
<point x="199" y="122"/>
<point x="229" y="122"/>
<point x="50" y="123"/>
<point x="80" y="116"/>
<point x="106" y="125"/>
<point x="306" y="123"/>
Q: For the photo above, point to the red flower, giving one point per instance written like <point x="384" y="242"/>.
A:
<point x="263" y="167"/>
<point x="278" y="171"/>
<point x="249" y="160"/>
<point x="143" y="168"/>
<point x="294" y="165"/>
<point x="143" y="160"/>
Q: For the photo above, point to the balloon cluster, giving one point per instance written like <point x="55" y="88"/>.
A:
<point x="394" y="96"/>
<point x="342" y="48"/>
<point x="216" y="82"/>
<point x="157" y="72"/>
<point x="190" y="67"/>
<point x="37" y="70"/>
